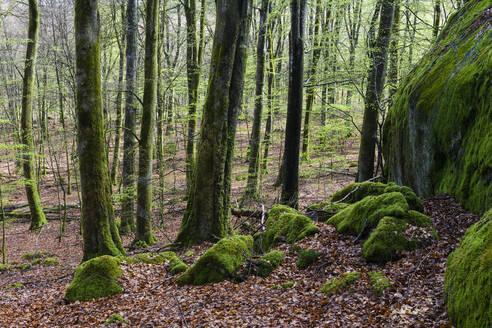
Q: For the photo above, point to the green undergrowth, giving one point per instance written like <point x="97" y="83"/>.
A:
<point x="18" y="285"/>
<point x="95" y="278"/>
<point x="284" y="224"/>
<point x="268" y="263"/>
<point x="340" y="283"/>
<point x="288" y="284"/>
<point x="219" y="262"/>
<point x="36" y="255"/>
<point x="468" y="278"/>
<point x="306" y="258"/>
<point x="378" y="282"/>
<point x="114" y="318"/>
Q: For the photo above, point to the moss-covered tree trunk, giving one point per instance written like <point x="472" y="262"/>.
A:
<point x="129" y="142"/>
<point x="290" y="166"/>
<point x="375" y="83"/>
<point x="206" y="217"/>
<point x="393" y="51"/>
<point x="37" y="216"/>
<point x="144" y="186"/>
<point x="98" y="227"/>
<point x="254" y="141"/>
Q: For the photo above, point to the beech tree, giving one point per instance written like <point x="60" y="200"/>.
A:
<point x="98" y="226"/>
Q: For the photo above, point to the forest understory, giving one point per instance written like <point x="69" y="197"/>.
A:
<point x="34" y="296"/>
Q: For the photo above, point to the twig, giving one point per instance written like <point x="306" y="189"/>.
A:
<point x="162" y="282"/>
<point x="361" y="231"/>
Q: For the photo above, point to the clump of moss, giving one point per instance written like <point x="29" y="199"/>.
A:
<point x="176" y="265"/>
<point x="288" y="284"/>
<point x="284" y="224"/>
<point x="378" y="282"/>
<point x="326" y="210"/>
<point x="140" y="244"/>
<point x="36" y="255"/>
<point x="18" y="285"/>
<point x="5" y="267"/>
<point x="189" y="253"/>
<point x="219" y="262"/>
<point x="306" y="258"/>
<point x="95" y="278"/>
<point x="115" y="318"/>
<point x="268" y="263"/>
<point x="340" y="283"/>
<point x="468" y="278"/>
<point x="50" y="261"/>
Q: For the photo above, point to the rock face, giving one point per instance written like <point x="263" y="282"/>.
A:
<point x="437" y="137"/>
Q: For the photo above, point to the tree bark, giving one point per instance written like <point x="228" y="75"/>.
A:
<point x="37" y="216"/>
<point x="290" y="186"/>
<point x="98" y="227"/>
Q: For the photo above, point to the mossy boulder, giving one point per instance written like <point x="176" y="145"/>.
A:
<point x="219" y="262"/>
<point x="95" y="278"/>
<point x="325" y="210"/>
<point x="468" y="278"/>
<point x="306" y="258"/>
<point x="340" y="283"/>
<point x="268" y="263"/>
<point x="284" y="224"/>
<point x="437" y="137"/>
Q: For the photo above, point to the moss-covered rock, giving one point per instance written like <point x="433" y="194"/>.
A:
<point x="306" y="258"/>
<point x="284" y="224"/>
<point x="378" y="282"/>
<point x="391" y="236"/>
<point x="468" y="278"/>
<point x="95" y="278"/>
<point x="268" y="263"/>
<point x="366" y="213"/>
<point x="219" y="262"/>
<point x="340" y="283"/>
<point x="325" y="210"/>
<point x="437" y="137"/>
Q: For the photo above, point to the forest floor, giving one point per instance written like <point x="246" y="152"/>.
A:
<point x="151" y="298"/>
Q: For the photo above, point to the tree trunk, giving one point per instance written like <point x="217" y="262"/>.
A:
<point x="375" y="85"/>
<point x="144" y="188"/>
<point x="290" y="186"/>
<point x="37" y="216"/>
<point x="98" y="227"/>
<point x="393" y="51"/>
<point x="206" y="217"/>
<point x="129" y="143"/>
<point x="437" y="18"/>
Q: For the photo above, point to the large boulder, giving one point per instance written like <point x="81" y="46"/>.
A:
<point x="437" y="137"/>
<point x="468" y="279"/>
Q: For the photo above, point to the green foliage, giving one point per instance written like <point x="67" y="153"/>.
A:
<point x="32" y="256"/>
<point x="340" y="283"/>
<point x="95" y="278"/>
<point x="306" y="258"/>
<point x="115" y="318"/>
<point x="18" y="285"/>
<point x="50" y="261"/>
<point x="284" y="224"/>
<point x="268" y="263"/>
<point x="5" y="267"/>
<point x="288" y="284"/>
<point x="468" y="278"/>
<point x="378" y="282"/>
<point x="219" y="262"/>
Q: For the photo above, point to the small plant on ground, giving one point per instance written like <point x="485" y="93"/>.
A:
<point x="306" y="258"/>
<point x="378" y="282"/>
<point x="340" y="283"/>
<point x="115" y="318"/>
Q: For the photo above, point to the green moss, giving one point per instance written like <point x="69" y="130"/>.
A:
<point x="295" y="248"/>
<point x="387" y="240"/>
<point x="378" y="282"/>
<point x="50" y="261"/>
<point x="268" y="263"/>
<point x="326" y="210"/>
<point x="219" y="262"/>
<point x="340" y="283"/>
<point x="413" y="201"/>
<point x="365" y="214"/>
<point x="18" y="285"/>
<point x="32" y="256"/>
<point x="5" y="267"/>
<point x="285" y="224"/>
<point x="189" y="253"/>
<point x="95" y="278"/>
<point x="468" y="278"/>
<point x="364" y="189"/>
<point x="306" y="258"/>
<point x="288" y="284"/>
<point x="140" y="244"/>
<point x="115" y="318"/>
<point x="175" y="264"/>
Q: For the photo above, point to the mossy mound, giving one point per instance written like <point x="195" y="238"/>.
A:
<point x="306" y="258"/>
<point x="392" y="236"/>
<point x="325" y="210"/>
<point x="357" y="191"/>
<point x="340" y="283"/>
<point x="219" y="262"/>
<point x="437" y="137"/>
<point x="268" y="263"/>
<point x="468" y="278"/>
<point x="95" y="278"/>
<point x="378" y="282"/>
<point x="284" y="224"/>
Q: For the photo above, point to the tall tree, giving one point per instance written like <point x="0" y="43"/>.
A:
<point x="206" y="217"/>
<point x="375" y="82"/>
<point x="290" y="171"/>
<point x="129" y="142"/>
<point x="393" y="51"/>
<point x="144" y="188"/>
<point x="37" y="216"/>
<point x="254" y="141"/>
<point x="98" y="227"/>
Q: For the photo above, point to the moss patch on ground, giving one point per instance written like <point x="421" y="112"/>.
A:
<point x="340" y="283"/>
<point x="268" y="263"/>
<point x="219" y="262"/>
<point x="468" y="278"/>
<point x="95" y="278"/>
<point x="378" y="282"/>
<point x="115" y="318"/>
<point x="306" y="258"/>
<point x="326" y="210"/>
